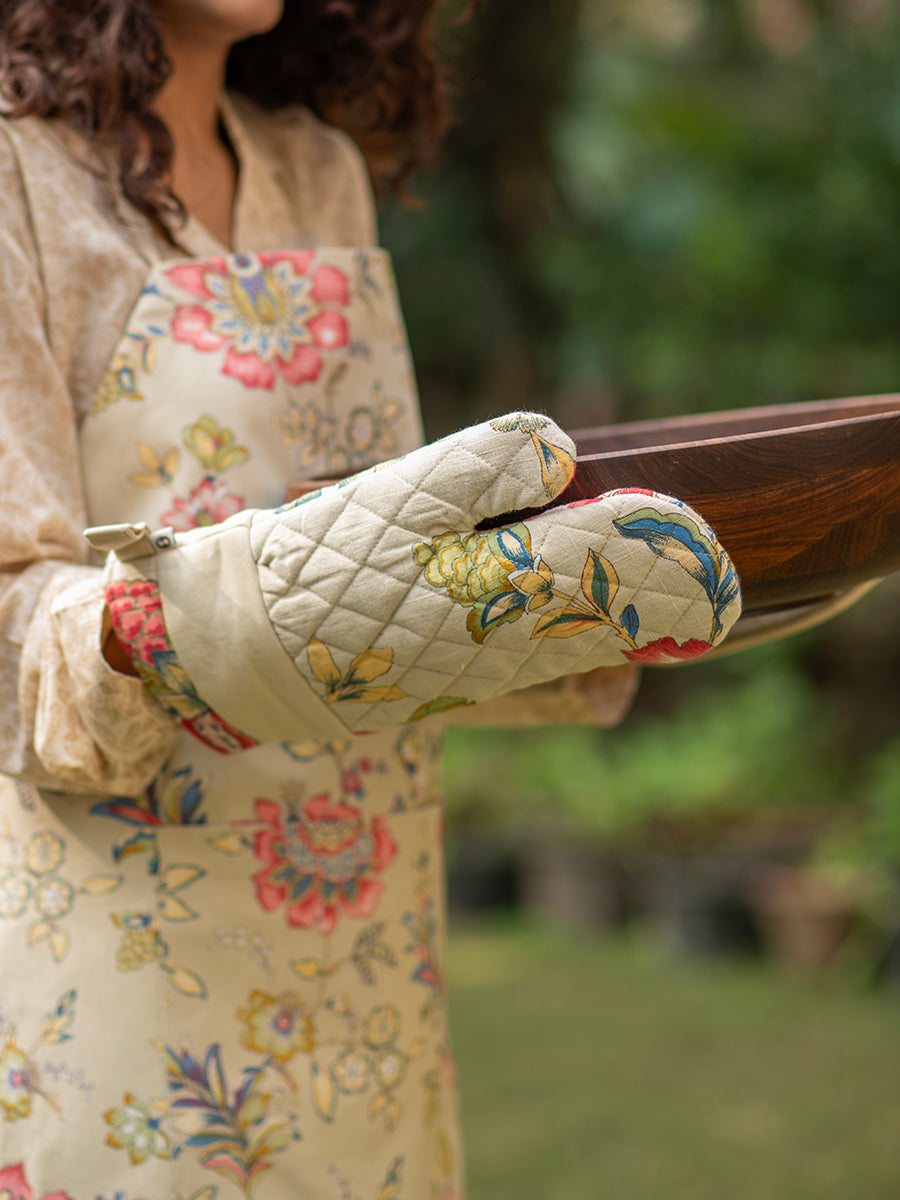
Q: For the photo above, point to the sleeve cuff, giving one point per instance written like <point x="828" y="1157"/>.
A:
<point x="95" y="729"/>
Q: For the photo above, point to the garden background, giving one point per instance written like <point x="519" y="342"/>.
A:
<point x="654" y="207"/>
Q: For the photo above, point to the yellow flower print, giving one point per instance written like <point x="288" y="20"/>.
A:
<point x="34" y="880"/>
<point x="382" y="1026"/>
<point x="390" y="1069"/>
<point x="18" y="1082"/>
<point x="468" y="567"/>
<point x="20" y="1077"/>
<point x="481" y="570"/>
<point x="352" y="1072"/>
<point x="134" y="355"/>
<point x="158" y="472"/>
<point x="277" y="1025"/>
<point x="53" y="898"/>
<point x="367" y="433"/>
<point x="307" y="427"/>
<point x="527" y="422"/>
<point x="355" y="684"/>
<point x="44" y="852"/>
<point x="213" y="446"/>
<point x="141" y="941"/>
<point x="368" y="429"/>
<point x="15" y="893"/>
<point x="536" y="583"/>
<point x="135" y="1127"/>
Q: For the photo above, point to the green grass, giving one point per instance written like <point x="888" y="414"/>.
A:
<point x="595" y="1068"/>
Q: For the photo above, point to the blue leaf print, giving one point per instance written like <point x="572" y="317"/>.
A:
<point x="678" y="539"/>
<point x="172" y="798"/>
<point x="514" y="543"/>
<point x="631" y="622"/>
<point x="239" y="1134"/>
<point x="500" y="607"/>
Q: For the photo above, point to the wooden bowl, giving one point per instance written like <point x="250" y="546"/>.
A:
<point x="804" y="497"/>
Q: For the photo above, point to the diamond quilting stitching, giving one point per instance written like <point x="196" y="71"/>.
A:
<point x="363" y="588"/>
<point x="477" y="663"/>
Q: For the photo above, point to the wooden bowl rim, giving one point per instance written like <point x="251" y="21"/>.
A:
<point x="819" y="414"/>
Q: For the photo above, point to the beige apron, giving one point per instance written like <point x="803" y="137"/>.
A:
<point x="232" y="985"/>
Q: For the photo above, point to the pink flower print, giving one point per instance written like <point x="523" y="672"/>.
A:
<point x="136" y="611"/>
<point x="191" y="276"/>
<point x="191" y="325"/>
<point x="135" y="607"/>
<point x="352" y="783"/>
<point x="330" y="287"/>
<point x="606" y="495"/>
<point x="270" y="312"/>
<point x="320" y="863"/>
<point x="329" y="330"/>
<point x="210" y="503"/>
<point x="14" y="1186"/>
<point x="305" y="366"/>
<point x="667" y="650"/>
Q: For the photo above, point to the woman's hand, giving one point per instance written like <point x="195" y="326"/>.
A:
<point x="113" y="651"/>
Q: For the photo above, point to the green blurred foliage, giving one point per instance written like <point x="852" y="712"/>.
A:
<point x="627" y="225"/>
<point x="729" y="236"/>
<point x="768" y="747"/>
<point x="660" y="206"/>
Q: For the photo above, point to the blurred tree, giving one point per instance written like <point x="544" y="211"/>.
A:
<point x="482" y="320"/>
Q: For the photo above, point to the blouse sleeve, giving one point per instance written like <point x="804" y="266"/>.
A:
<point x="67" y="720"/>
<point x="600" y="698"/>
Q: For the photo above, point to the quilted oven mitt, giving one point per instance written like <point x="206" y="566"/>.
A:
<point x="380" y="600"/>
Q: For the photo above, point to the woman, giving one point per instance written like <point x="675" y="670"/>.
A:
<point x="221" y="924"/>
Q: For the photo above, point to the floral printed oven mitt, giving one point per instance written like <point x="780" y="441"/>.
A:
<point x="382" y="599"/>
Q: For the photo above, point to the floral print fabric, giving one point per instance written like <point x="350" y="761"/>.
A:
<point x="257" y="997"/>
<point x="271" y="312"/>
<point x="305" y="350"/>
<point x="135" y="609"/>
<point x="235" y="976"/>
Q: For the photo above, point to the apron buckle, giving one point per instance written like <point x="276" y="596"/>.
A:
<point x="130" y="541"/>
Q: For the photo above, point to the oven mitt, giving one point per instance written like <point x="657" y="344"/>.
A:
<point x="383" y="599"/>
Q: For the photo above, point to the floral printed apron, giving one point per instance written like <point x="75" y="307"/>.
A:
<point x="232" y="985"/>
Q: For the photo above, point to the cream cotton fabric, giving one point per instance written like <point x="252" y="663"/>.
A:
<point x="222" y="975"/>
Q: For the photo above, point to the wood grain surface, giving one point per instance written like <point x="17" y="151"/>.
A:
<point x="805" y="498"/>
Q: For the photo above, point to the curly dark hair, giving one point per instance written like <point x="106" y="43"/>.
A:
<point x="368" y="66"/>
